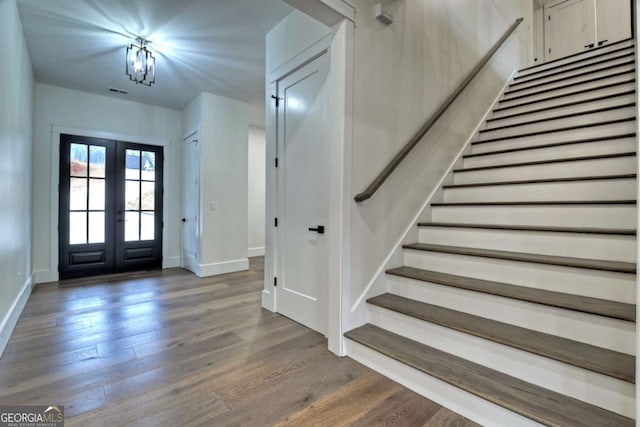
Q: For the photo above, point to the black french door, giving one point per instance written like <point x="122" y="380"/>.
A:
<point x="110" y="210"/>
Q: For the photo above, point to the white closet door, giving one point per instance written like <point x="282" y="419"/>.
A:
<point x="613" y="21"/>
<point x="571" y="29"/>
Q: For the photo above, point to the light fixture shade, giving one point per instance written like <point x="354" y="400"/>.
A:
<point x="141" y="65"/>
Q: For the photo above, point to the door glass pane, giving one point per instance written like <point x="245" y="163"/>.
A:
<point x="148" y="165"/>
<point x="78" y="194"/>
<point x="147" y="226"/>
<point x="77" y="228"/>
<point x="132" y="164"/>
<point x="148" y="196"/>
<point x="132" y="195"/>
<point x="97" y="157"/>
<point x="96" y="227"/>
<point x="78" y="160"/>
<point x="96" y="194"/>
<point x="131" y="226"/>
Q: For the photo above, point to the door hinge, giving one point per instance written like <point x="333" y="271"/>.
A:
<point x="276" y="162"/>
<point x="277" y="100"/>
<point x="549" y="50"/>
<point x="275" y="281"/>
<point x="276" y="221"/>
<point x="549" y="17"/>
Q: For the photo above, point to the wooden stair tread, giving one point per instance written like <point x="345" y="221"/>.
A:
<point x="556" y="130"/>
<point x="539" y="203"/>
<point x="559" y="106"/>
<point x="586" y="54"/>
<point x="592" y="264"/>
<point x="584" y="230"/>
<point x="542" y="181"/>
<point x="622" y="53"/>
<point x="612" y="309"/>
<point x="560" y="79"/>
<point x="550" y="161"/>
<point x="564" y="95"/>
<point x="568" y="85"/>
<point x="539" y="404"/>
<point x="552" y="145"/>
<point x="559" y="117"/>
<point x="586" y="356"/>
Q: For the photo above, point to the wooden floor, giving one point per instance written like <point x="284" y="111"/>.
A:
<point x="170" y="349"/>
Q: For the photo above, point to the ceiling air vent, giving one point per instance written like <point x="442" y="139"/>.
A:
<point x="120" y="91"/>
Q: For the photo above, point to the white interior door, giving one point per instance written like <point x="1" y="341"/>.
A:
<point x="570" y="27"/>
<point x="613" y="21"/>
<point x="190" y="203"/>
<point x="303" y="195"/>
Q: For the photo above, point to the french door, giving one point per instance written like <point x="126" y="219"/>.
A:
<point x="110" y="210"/>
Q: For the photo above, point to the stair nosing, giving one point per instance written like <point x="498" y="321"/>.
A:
<point x="548" y="131"/>
<point x="550" y="161"/>
<point x="552" y="145"/>
<point x="551" y="98"/>
<point x="584" y="263"/>
<point x="542" y="181"/>
<point x="560" y="117"/>
<point x="544" y="229"/>
<point x="596" y="79"/>
<point x="478" y="321"/>
<point x="586" y="73"/>
<point x="555" y="70"/>
<point x="569" y="104"/>
<point x="538" y="398"/>
<point x="630" y="39"/>
<point x="538" y="203"/>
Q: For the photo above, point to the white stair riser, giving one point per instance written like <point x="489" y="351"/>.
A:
<point x="565" y="75"/>
<point x="617" y="335"/>
<point x="573" y="59"/>
<point x="578" y="134"/>
<point x="581" y="65"/>
<point x="556" y="112"/>
<point x="466" y="404"/>
<point x="619" y="189"/>
<point x="580" y="96"/>
<point x="595" y="148"/>
<point x="578" y="281"/>
<point x="599" y="216"/>
<point x="561" y="84"/>
<point x="579" y="245"/>
<point x="581" y="120"/>
<point x="518" y="97"/>
<point x="612" y="394"/>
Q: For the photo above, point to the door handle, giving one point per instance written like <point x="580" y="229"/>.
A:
<point x="319" y="229"/>
<point x="589" y="46"/>
<point x="184" y="219"/>
<point x="600" y="43"/>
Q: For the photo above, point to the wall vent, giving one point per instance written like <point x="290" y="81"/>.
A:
<point x="120" y="91"/>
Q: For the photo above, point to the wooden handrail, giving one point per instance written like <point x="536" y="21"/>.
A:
<point x="395" y="162"/>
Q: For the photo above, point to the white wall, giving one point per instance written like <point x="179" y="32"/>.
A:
<point x="75" y="112"/>
<point x="403" y="73"/>
<point x="256" y="192"/>
<point x="223" y="125"/>
<point x="16" y="141"/>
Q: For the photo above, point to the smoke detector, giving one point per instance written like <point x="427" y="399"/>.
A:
<point x="383" y="15"/>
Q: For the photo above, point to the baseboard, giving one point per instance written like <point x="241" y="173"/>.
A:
<point x="255" y="252"/>
<point x="45" y="276"/>
<point x="267" y="300"/>
<point x="11" y="318"/>
<point x="172" y="262"/>
<point x="223" y="267"/>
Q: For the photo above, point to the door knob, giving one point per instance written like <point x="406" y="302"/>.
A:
<point x="319" y="229"/>
<point x="184" y="219"/>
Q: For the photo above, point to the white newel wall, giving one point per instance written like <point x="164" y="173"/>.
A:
<point x="256" y="190"/>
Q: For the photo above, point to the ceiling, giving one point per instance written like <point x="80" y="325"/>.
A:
<point x="200" y="45"/>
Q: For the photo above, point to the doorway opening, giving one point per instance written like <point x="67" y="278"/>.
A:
<point x="110" y="206"/>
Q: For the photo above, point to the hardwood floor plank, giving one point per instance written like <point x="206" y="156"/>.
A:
<point x="169" y="348"/>
<point x="447" y="418"/>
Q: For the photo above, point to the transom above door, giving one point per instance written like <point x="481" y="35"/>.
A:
<point x="110" y="210"/>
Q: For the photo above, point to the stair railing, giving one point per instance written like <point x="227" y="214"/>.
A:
<point x="398" y="158"/>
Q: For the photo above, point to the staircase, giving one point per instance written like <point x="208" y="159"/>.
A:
<point x="517" y="305"/>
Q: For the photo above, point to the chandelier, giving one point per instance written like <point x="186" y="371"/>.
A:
<point x="141" y="65"/>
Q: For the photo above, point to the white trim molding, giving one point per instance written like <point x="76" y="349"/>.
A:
<point x="11" y="318"/>
<point x="253" y="252"/>
<point x="223" y="267"/>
